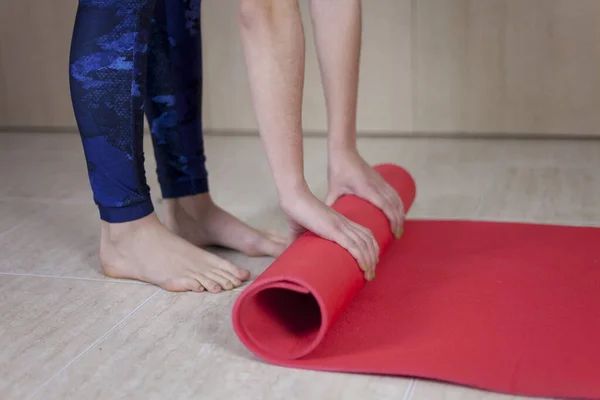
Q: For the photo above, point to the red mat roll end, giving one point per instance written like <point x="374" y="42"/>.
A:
<point x="281" y="319"/>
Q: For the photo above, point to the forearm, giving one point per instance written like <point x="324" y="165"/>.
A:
<point x="273" y="40"/>
<point x="337" y="28"/>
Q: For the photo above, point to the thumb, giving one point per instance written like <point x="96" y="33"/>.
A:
<point x="332" y="196"/>
<point x="295" y="231"/>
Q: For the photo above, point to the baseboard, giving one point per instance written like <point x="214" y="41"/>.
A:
<point x="433" y="135"/>
<point x="361" y="134"/>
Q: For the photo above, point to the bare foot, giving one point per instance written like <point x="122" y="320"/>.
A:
<point x="148" y="251"/>
<point x="201" y="222"/>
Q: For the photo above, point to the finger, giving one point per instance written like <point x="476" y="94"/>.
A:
<point x="349" y="240"/>
<point x="295" y="231"/>
<point x="372" y="247"/>
<point x="394" y="211"/>
<point x="393" y="206"/>
<point x="398" y="205"/>
<point x="362" y="241"/>
<point x="381" y="201"/>
<point x="402" y="215"/>
<point x="375" y="245"/>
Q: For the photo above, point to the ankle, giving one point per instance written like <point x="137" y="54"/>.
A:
<point x="194" y="207"/>
<point x="113" y="233"/>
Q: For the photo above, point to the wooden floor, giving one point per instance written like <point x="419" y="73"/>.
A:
<point x="67" y="332"/>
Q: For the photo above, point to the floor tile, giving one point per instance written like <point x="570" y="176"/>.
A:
<point x="182" y="347"/>
<point x="47" y="323"/>
<point x="40" y="174"/>
<point x="50" y="167"/>
<point x="239" y="176"/>
<point x="61" y="240"/>
<point x="31" y="141"/>
<point x="549" y="194"/>
<point x="448" y="191"/>
<point x="441" y="391"/>
<point x="13" y="214"/>
<point x="498" y="152"/>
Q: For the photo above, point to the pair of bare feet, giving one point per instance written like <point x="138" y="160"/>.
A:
<point x="170" y="255"/>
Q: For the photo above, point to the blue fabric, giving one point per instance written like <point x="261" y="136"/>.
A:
<point x="130" y="58"/>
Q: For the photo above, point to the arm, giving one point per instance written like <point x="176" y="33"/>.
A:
<point x="273" y="40"/>
<point x="337" y="28"/>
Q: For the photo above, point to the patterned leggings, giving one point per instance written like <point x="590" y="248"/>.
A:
<point x="130" y="58"/>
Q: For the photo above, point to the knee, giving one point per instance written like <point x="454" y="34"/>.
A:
<point x="255" y="13"/>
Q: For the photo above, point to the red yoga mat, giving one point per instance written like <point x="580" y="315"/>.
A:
<point x="505" y="307"/>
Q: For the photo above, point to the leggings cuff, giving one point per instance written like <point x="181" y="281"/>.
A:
<point x="174" y="190"/>
<point x="129" y="213"/>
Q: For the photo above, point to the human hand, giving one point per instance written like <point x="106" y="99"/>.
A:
<point x="306" y="212"/>
<point x="349" y="173"/>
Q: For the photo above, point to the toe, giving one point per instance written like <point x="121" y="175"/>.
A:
<point x="242" y="274"/>
<point x="193" y="285"/>
<point x="235" y="281"/>
<point x="209" y="284"/>
<point x="239" y="273"/>
<point x="180" y="285"/>
<point x="225" y="283"/>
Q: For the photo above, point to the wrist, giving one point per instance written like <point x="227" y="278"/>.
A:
<point x="341" y="144"/>
<point x="290" y="190"/>
<point x="340" y="154"/>
<point x="341" y="148"/>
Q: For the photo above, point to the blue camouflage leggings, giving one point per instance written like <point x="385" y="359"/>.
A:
<point x="130" y="58"/>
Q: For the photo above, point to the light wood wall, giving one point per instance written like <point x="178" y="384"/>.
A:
<point x="444" y="66"/>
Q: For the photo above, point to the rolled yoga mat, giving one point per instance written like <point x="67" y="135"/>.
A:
<point x="506" y="307"/>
